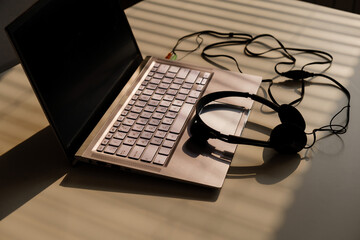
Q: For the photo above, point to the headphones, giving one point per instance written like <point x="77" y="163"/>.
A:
<point x="288" y="137"/>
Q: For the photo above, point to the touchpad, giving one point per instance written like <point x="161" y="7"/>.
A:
<point x="222" y="117"/>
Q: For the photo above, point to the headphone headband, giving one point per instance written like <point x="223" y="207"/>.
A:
<point x="224" y="94"/>
<point x="288" y="137"/>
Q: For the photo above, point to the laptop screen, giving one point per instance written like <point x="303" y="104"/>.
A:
<point x="77" y="55"/>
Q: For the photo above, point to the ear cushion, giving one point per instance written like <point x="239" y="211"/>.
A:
<point x="288" y="138"/>
<point x="198" y="131"/>
<point x="290" y="115"/>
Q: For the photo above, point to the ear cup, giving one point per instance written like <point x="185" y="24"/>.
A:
<point x="288" y="138"/>
<point x="290" y="115"/>
<point x="198" y="131"/>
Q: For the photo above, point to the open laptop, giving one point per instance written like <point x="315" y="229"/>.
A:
<point x="107" y="105"/>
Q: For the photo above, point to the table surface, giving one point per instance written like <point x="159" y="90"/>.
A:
<point x="313" y="195"/>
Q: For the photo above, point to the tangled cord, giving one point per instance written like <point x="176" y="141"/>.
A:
<point x="299" y="75"/>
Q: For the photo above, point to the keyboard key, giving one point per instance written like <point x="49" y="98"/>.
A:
<point x="170" y="74"/>
<point x="184" y="91"/>
<point x="155" y="81"/>
<point x="160" y="91"/>
<point x="158" y="75"/>
<point x="133" y="115"/>
<point x="194" y="94"/>
<point x="175" y="86"/>
<point x="150" y="128"/>
<point x="142" y="142"/>
<point x="110" y="149"/>
<point x="148" y="92"/>
<point x="154" y="122"/>
<point x="160" y="159"/>
<point x="128" y="107"/>
<point x="113" y="129"/>
<point x="129" y="141"/>
<point x="140" y="103"/>
<point x="187" y="85"/>
<point x="145" y="114"/>
<point x="174" y="69"/>
<point x="174" y="108"/>
<point x="164" y="85"/>
<point x="181" y="119"/>
<point x="168" y="97"/>
<point x="172" y="136"/>
<point x="161" y="109"/>
<point x="158" y="115"/>
<point x="160" y="134"/>
<point x="124" y="128"/>
<point x="119" y="135"/>
<point x="165" y="151"/>
<point x="136" y="109"/>
<point x="181" y="96"/>
<point x="191" y="100"/>
<point x="206" y="75"/>
<point x="138" y="127"/>
<point x="192" y="76"/>
<point x="133" y="134"/>
<point x="164" y="103"/>
<point x="100" y="148"/>
<point x="164" y="127"/>
<point x="163" y="68"/>
<point x="146" y="135"/>
<point x="149" y="108"/>
<point x="168" y="121"/>
<point x="167" y="80"/>
<point x="144" y="98"/>
<point x="178" y="81"/>
<point x="123" y="150"/>
<point x="199" y="88"/>
<point x="115" y="142"/>
<point x="156" y="141"/>
<point x="149" y="153"/>
<point x="153" y="102"/>
<point x="178" y="103"/>
<point x="142" y="121"/>
<point x="157" y="97"/>
<point x="169" y="143"/>
<point x="172" y="91"/>
<point x="136" y="152"/>
<point x="183" y="73"/>
<point x="171" y="114"/>
<point x="128" y="122"/>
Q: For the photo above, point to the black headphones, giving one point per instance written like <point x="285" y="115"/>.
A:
<point x="288" y="137"/>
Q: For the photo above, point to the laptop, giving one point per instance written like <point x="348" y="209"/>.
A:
<point x="109" y="106"/>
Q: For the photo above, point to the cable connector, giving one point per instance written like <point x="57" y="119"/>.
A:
<point x="171" y="56"/>
<point x="297" y="74"/>
<point x="168" y="56"/>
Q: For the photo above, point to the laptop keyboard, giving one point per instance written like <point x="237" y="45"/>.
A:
<point x="151" y="123"/>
